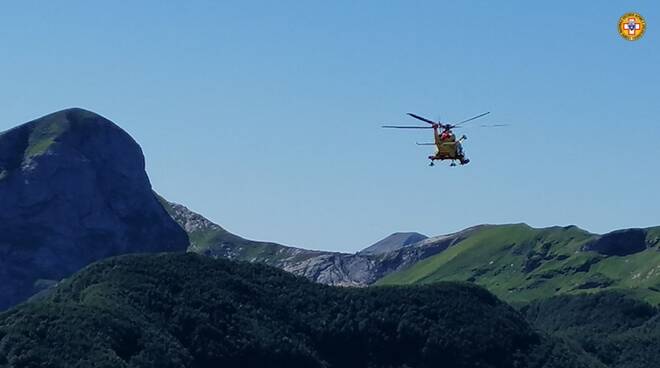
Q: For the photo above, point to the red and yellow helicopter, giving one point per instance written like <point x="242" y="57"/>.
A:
<point x="447" y="146"/>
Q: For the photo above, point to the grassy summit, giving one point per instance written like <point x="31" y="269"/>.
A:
<point x="520" y="263"/>
<point x="36" y="137"/>
<point x="44" y="135"/>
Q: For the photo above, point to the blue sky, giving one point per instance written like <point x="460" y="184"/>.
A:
<point x="264" y="116"/>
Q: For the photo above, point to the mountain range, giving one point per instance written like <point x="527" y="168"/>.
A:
<point x="73" y="190"/>
<point x="74" y="195"/>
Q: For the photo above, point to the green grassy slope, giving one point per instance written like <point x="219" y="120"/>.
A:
<point x="653" y="235"/>
<point x="211" y="241"/>
<point x="27" y="141"/>
<point x="520" y="264"/>
<point x="33" y="139"/>
<point x="185" y="310"/>
<point x="44" y="135"/>
<point x="44" y="132"/>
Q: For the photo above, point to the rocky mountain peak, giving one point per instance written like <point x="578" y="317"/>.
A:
<point x="73" y="189"/>
<point x="393" y="242"/>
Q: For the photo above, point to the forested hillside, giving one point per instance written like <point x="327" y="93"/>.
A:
<point x="618" y="329"/>
<point x="193" y="311"/>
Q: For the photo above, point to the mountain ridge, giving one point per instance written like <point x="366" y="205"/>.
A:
<point x="332" y="268"/>
<point x="520" y="263"/>
<point x="544" y="256"/>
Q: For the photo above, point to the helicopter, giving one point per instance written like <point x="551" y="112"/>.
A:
<point x="447" y="146"/>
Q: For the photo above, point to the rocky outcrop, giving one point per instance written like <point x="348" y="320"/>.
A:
<point x="619" y="243"/>
<point x="337" y="269"/>
<point x="190" y="221"/>
<point x="73" y="190"/>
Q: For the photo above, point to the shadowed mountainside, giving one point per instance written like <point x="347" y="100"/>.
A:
<point x="73" y="190"/>
<point x="617" y="329"/>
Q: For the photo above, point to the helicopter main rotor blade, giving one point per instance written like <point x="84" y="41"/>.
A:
<point x="494" y="125"/>
<point x="406" y="127"/>
<point x="472" y="118"/>
<point x="425" y="144"/>
<point x="422" y="119"/>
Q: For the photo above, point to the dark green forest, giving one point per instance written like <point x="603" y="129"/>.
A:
<point x="191" y="311"/>
<point x="616" y="328"/>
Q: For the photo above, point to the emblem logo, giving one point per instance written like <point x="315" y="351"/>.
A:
<point x="631" y="26"/>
